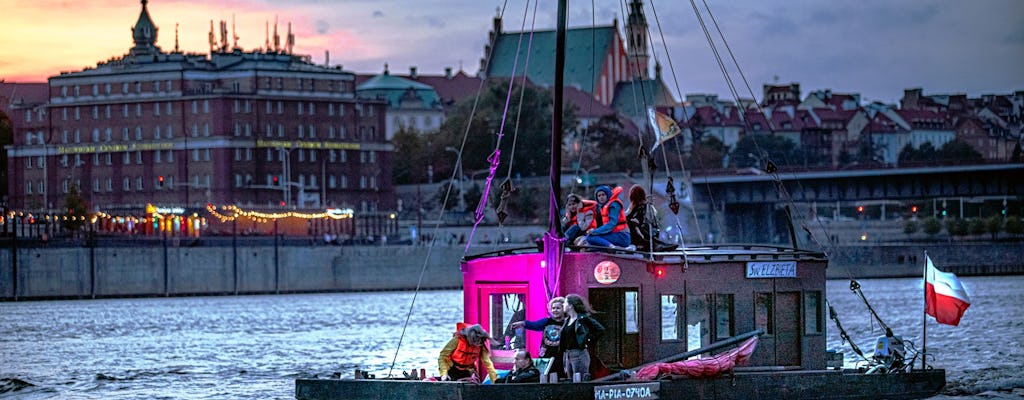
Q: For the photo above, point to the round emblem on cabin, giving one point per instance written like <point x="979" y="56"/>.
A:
<point x="607" y="272"/>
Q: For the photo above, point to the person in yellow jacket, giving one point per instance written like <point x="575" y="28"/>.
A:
<point x="458" y="358"/>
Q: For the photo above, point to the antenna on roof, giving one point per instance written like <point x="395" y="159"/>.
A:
<point x="176" y="37"/>
<point x="291" y="39"/>
<point x="213" y="38"/>
<point x="266" y="35"/>
<point x="277" y="39"/>
<point x="234" y="34"/>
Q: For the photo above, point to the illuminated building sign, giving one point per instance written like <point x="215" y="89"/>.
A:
<point x="114" y="148"/>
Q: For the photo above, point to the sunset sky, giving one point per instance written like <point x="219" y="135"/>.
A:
<point x="873" y="47"/>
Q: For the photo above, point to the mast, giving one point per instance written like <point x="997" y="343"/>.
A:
<point x="555" y="170"/>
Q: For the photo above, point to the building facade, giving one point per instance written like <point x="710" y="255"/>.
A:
<point x="256" y="129"/>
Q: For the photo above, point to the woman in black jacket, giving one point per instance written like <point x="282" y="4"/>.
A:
<point x="579" y="332"/>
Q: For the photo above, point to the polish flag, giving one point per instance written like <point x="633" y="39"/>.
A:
<point x="945" y="298"/>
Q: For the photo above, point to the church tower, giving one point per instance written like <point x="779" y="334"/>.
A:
<point x="144" y="35"/>
<point x="636" y="38"/>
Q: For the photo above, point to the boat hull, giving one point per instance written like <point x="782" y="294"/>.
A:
<point x="827" y="384"/>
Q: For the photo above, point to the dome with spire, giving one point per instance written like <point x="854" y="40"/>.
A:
<point x="144" y="34"/>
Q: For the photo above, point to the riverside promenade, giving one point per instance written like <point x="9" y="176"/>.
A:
<point x="114" y="267"/>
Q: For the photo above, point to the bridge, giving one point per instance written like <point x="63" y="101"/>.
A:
<point x="753" y="206"/>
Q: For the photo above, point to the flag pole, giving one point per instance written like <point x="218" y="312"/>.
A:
<point x="924" y="314"/>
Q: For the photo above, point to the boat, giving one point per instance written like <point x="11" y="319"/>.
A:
<point x="748" y="320"/>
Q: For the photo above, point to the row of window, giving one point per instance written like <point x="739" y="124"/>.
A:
<point x="368" y="133"/>
<point x="700" y="320"/>
<point x="107" y="88"/>
<point x="126" y="184"/>
<point x="304" y="155"/>
<point x="246" y="106"/>
<point x="162" y="156"/>
<point x="333" y="181"/>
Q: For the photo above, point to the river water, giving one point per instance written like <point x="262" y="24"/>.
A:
<point x="249" y="347"/>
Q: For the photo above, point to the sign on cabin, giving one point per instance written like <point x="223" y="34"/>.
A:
<point x="645" y="391"/>
<point x="771" y="269"/>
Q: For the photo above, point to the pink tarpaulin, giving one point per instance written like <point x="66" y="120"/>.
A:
<point x="698" y="368"/>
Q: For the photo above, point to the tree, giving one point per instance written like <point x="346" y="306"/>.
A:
<point x="450" y="200"/>
<point x="958" y="152"/>
<point x="592" y="146"/>
<point x="76" y="208"/>
<point x="752" y="149"/>
<point x="706" y="154"/>
<point x="472" y="196"/>
<point x="931" y="226"/>
<point x="410" y="157"/>
<point x="956" y="227"/>
<point x="1014" y="226"/>
<point x="531" y="138"/>
<point x="993" y="225"/>
<point x="910" y="227"/>
<point x="976" y="226"/>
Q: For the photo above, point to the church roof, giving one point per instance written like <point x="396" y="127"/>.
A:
<point x="585" y="49"/>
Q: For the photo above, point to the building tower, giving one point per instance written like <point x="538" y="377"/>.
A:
<point x="144" y="34"/>
<point x="636" y="38"/>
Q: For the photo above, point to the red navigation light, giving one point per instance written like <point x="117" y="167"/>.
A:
<point x="860" y="209"/>
<point x="913" y="209"/>
<point x="275" y="180"/>
<point x="160" y="180"/>
<point x="282" y="203"/>
<point x="657" y="270"/>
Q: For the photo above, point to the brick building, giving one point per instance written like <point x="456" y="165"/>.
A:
<point x="257" y="129"/>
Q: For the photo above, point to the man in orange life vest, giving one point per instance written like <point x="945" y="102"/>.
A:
<point x="579" y="216"/>
<point x="612" y="229"/>
<point x="458" y="358"/>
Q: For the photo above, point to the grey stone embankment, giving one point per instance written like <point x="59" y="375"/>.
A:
<point x="81" y="272"/>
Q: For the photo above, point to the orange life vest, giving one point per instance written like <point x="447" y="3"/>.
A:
<point x="621" y="225"/>
<point x="588" y="206"/>
<point x="465" y="355"/>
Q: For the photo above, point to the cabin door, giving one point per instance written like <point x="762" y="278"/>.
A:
<point x="787" y="332"/>
<point x="778" y="314"/>
<point x="618" y="310"/>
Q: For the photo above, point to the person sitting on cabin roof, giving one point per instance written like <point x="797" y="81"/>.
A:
<point x="458" y="358"/>
<point x="551" y="326"/>
<point x="524" y="371"/>
<point x="579" y="217"/>
<point x="611" y="230"/>
<point x="643" y="226"/>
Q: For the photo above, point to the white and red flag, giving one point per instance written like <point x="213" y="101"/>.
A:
<point x="945" y="298"/>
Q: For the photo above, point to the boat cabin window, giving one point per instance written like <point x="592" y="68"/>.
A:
<point x="506" y="308"/>
<point x="632" y="326"/>
<point x="813" y="313"/>
<point x="724" y="325"/>
<point x="763" y="309"/>
<point x="698" y="326"/>
<point x="671" y="317"/>
<point x="709" y="318"/>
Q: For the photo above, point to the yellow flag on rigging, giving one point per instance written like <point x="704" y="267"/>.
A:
<point x="664" y="127"/>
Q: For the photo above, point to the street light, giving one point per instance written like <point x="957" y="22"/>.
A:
<point x="586" y="179"/>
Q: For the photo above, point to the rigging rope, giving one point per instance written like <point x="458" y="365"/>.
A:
<point x="447" y="196"/>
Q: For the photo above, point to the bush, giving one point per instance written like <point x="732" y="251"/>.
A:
<point x="957" y="227"/>
<point x="976" y="226"/>
<point x="993" y="225"/>
<point x="910" y="227"/>
<point x="1014" y="226"/>
<point x="931" y="226"/>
